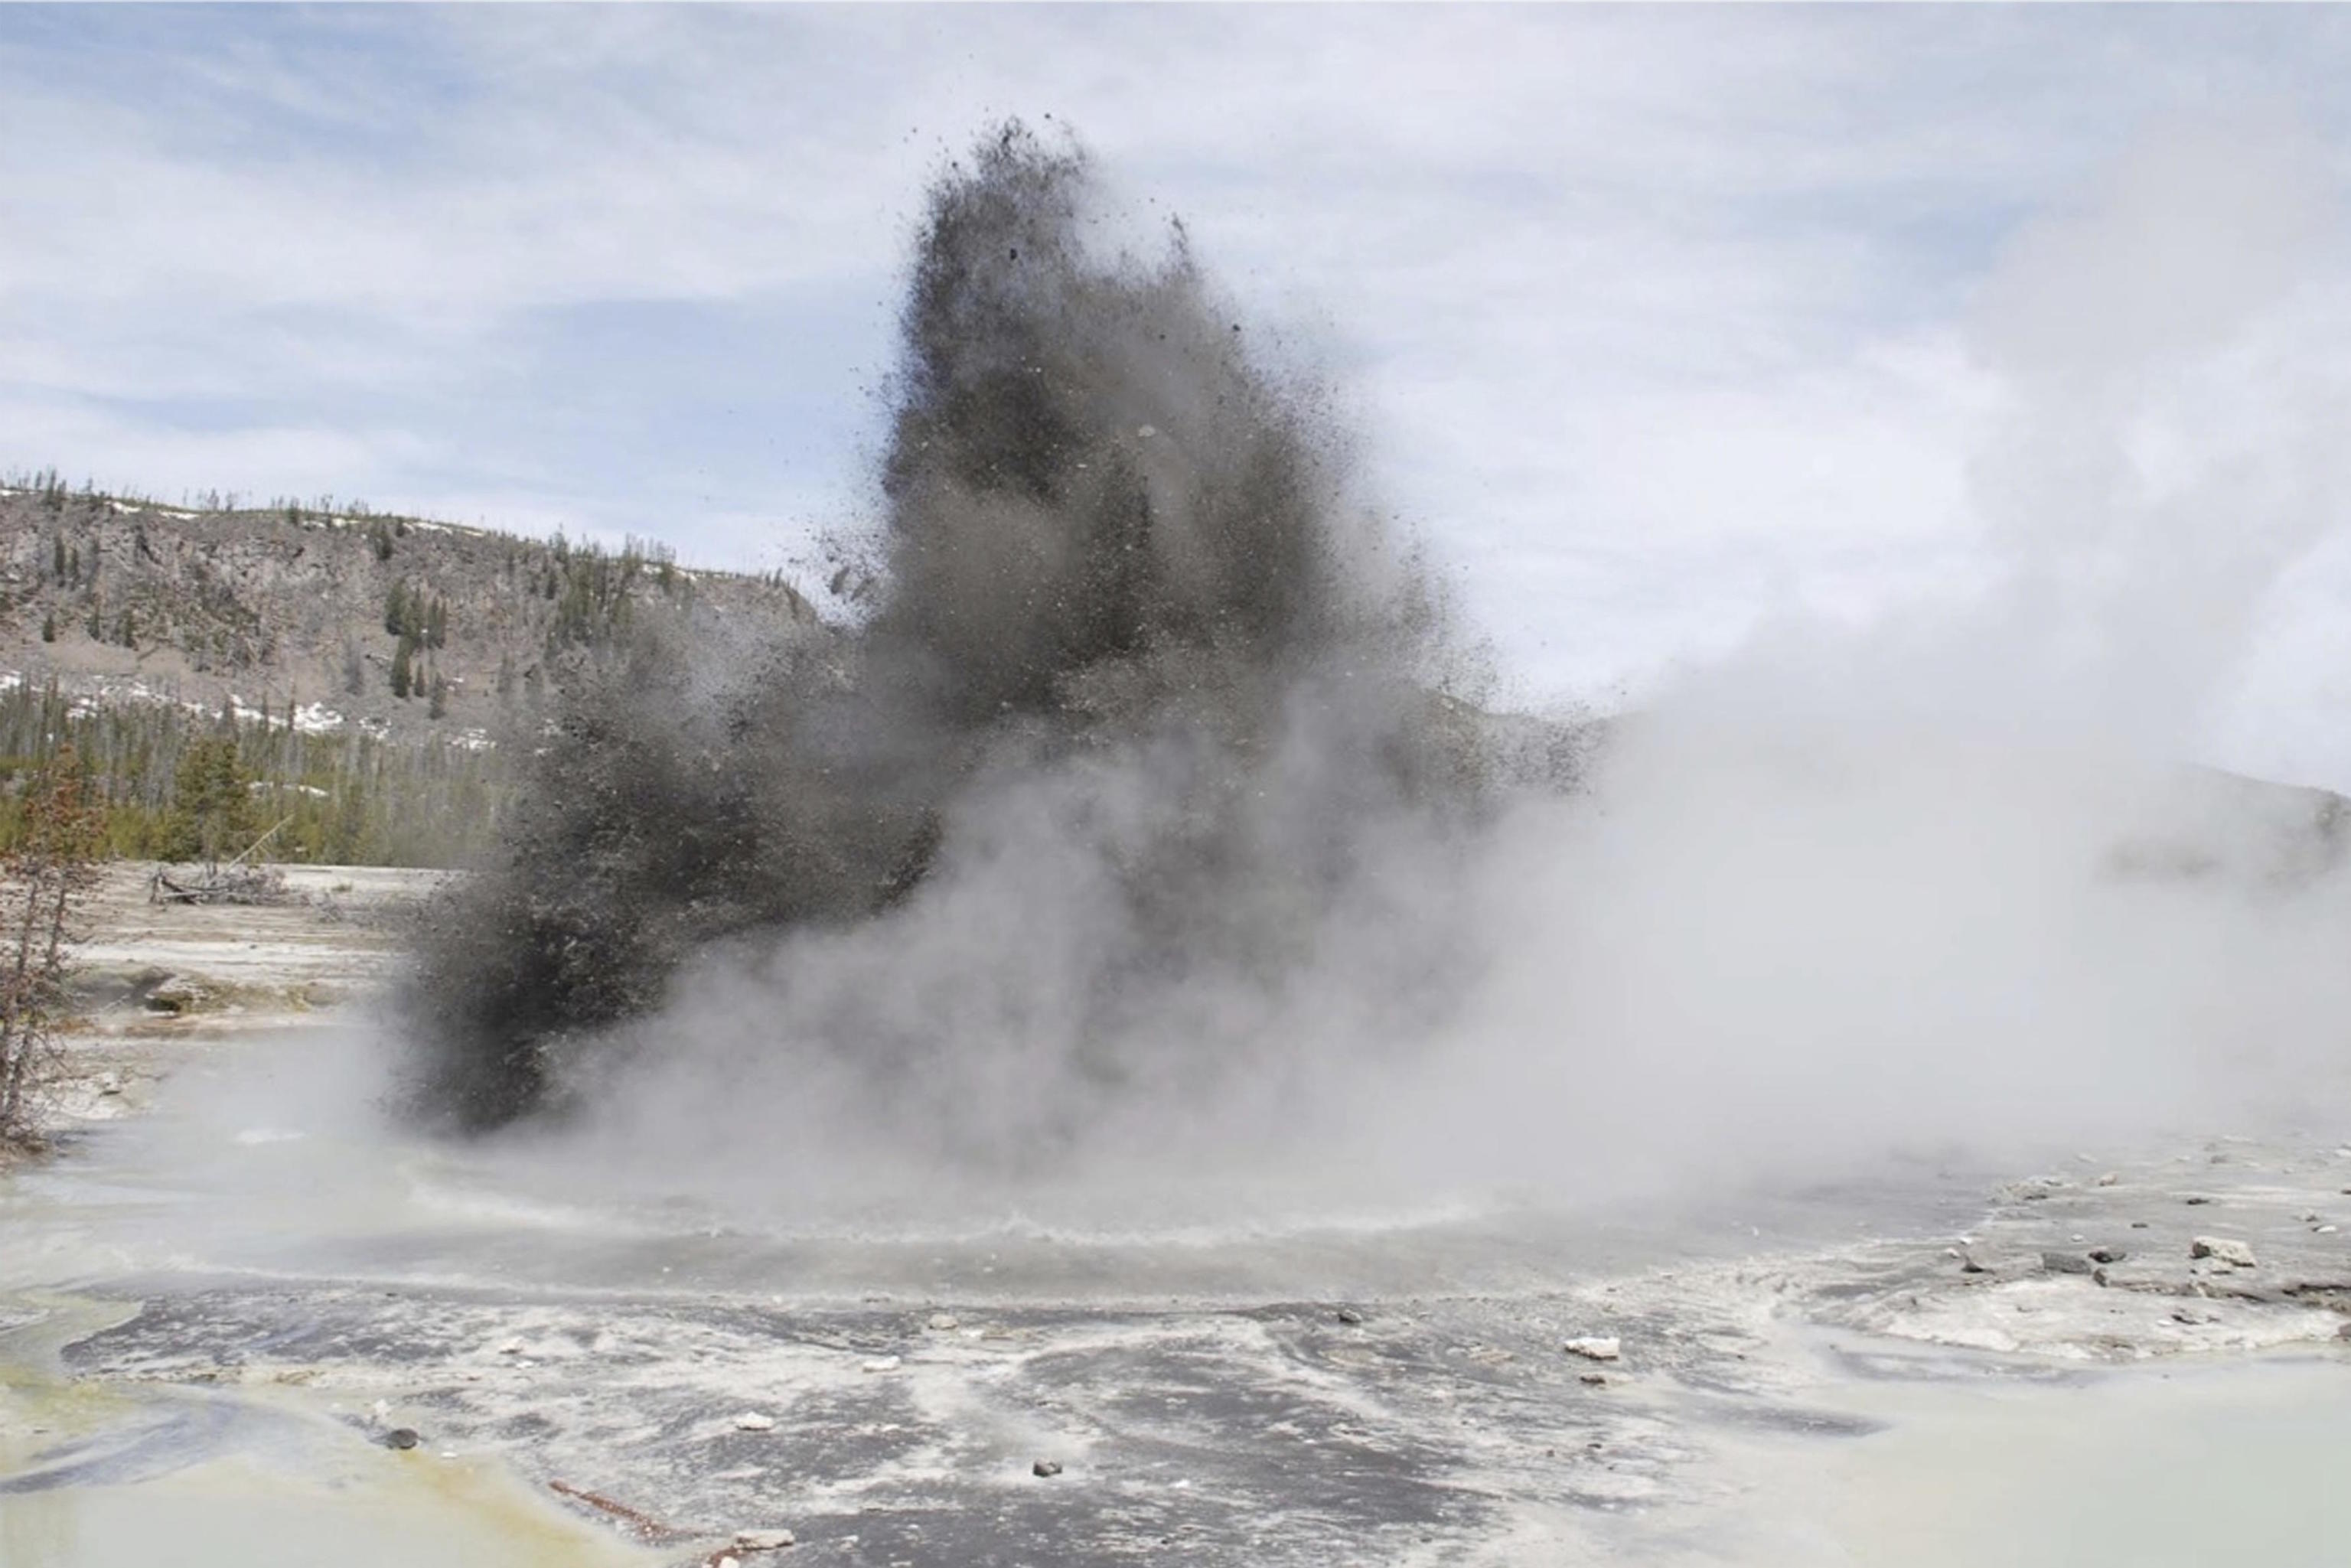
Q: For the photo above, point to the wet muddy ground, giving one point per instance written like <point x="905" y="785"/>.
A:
<point x="733" y="1385"/>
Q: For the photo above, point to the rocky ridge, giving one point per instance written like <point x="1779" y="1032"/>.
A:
<point x="290" y="610"/>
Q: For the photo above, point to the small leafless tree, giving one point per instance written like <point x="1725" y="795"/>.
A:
<point x="42" y="884"/>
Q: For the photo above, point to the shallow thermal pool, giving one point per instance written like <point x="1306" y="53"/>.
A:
<point x="2190" y="1466"/>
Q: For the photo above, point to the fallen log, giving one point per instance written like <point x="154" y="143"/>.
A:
<point x="647" y="1527"/>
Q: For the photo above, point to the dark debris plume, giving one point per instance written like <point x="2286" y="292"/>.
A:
<point x="1109" y="539"/>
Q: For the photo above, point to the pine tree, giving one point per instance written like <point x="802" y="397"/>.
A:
<point x="49" y="627"/>
<point x="212" y="803"/>
<point x="395" y="609"/>
<point x="436" y="624"/>
<point x="439" y="705"/>
<point x="58" y="556"/>
<point x="402" y="663"/>
<point x="48" y="872"/>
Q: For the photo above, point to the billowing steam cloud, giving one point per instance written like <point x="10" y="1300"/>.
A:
<point x="1102" y="767"/>
<point x="1139" y="823"/>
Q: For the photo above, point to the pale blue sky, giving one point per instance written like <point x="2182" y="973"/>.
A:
<point x="1655" y="320"/>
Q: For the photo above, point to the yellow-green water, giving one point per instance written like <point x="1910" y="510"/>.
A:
<point x="2188" y="1466"/>
<point x="404" y="1510"/>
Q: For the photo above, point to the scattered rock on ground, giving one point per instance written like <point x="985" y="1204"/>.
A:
<point x="2064" y="1264"/>
<point x="176" y="995"/>
<point x="1595" y="1347"/>
<point x="1046" y="1468"/>
<point x="945" y="1322"/>
<point x="400" y="1437"/>
<point x="2107" y="1254"/>
<point x="752" y="1421"/>
<point x="763" y="1540"/>
<point x="882" y="1363"/>
<point x="2235" y="1254"/>
<point x="1348" y="1316"/>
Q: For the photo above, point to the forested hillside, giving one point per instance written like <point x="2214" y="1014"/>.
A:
<point x="359" y="683"/>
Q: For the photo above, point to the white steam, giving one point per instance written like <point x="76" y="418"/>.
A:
<point x="1953" y="880"/>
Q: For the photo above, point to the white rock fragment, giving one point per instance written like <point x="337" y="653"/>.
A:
<point x="1595" y="1347"/>
<point x="2235" y="1254"/>
<point x="882" y="1363"/>
<point x="763" y="1540"/>
<point x="2109" y="1179"/>
<point x="945" y="1323"/>
<point x="752" y="1421"/>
